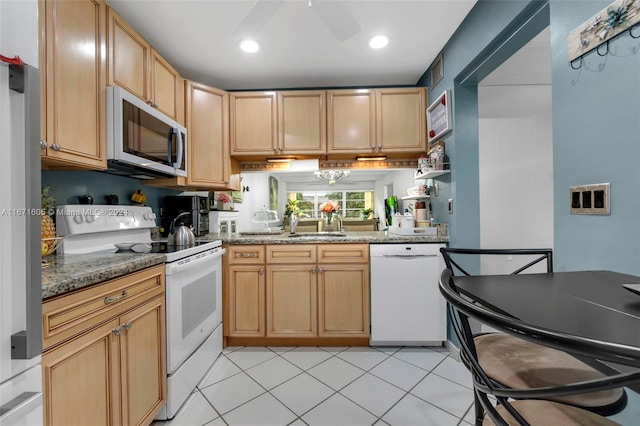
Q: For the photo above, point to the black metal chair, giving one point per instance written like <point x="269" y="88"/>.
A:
<point x="533" y="405"/>
<point x="515" y="363"/>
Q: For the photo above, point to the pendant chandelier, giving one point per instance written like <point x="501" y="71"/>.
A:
<point x="331" y="176"/>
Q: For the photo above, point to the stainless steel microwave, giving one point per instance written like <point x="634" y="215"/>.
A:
<point x="142" y="142"/>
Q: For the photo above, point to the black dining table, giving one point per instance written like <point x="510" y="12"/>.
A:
<point x="590" y="304"/>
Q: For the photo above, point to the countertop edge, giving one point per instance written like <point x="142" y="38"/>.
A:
<point x="73" y="272"/>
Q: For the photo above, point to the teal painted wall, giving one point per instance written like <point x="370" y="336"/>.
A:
<point x="596" y="138"/>
<point x="467" y="50"/>
<point x="66" y="186"/>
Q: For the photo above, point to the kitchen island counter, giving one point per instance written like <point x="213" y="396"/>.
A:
<point x="65" y="273"/>
<point x="349" y="237"/>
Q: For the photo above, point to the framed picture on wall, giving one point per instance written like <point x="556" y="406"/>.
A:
<point x="437" y="71"/>
<point x="439" y="117"/>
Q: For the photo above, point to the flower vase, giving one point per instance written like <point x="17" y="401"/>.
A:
<point x="330" y="223"/>
<point x="223" y="206"/>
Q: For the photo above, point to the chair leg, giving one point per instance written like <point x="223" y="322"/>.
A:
<point x="479" y="411"/>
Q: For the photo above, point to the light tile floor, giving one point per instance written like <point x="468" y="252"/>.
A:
<point x="262" y="386"/>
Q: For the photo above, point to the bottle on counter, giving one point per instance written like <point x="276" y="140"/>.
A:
<point x="432" y="221"/>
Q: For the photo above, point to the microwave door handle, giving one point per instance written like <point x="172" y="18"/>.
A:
<point x="180" y="149"/>
<point x="169" y="139"/>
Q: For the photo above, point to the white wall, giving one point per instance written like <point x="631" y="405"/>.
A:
<point x="253" y="200"/>
<point x="516" y="179"/>
<point x="19" y="30"/>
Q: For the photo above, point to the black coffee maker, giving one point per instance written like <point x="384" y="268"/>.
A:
<point x="198" y="206"/>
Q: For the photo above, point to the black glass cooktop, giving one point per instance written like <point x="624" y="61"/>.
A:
<point x="163" y="247"/>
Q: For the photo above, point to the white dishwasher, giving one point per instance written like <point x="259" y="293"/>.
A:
<point x="406" y="306"/>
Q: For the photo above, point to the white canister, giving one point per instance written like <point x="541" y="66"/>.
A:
<point x="407" y="222"/>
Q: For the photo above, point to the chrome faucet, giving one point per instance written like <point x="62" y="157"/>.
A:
<point x="294" y="219"/>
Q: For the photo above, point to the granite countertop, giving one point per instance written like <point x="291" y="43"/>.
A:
<point x="349" y="237"/>
<point x="65" y="273"/>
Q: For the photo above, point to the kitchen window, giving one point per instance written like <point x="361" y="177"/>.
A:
<point x="351" y="202"/>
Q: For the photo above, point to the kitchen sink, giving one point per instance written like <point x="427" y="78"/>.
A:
<point x="314" y="235"/>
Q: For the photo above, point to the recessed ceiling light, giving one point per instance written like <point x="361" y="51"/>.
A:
<point x="378" y="42"/>
<point x="249" y="46"/>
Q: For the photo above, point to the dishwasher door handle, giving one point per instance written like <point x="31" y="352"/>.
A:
<point x="415" y="256"/>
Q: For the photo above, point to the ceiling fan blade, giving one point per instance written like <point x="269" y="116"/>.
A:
<point x="257" y="17"/>
<point x="337" y="19"/>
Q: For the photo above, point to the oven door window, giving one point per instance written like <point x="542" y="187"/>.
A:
<point x="145" y="136"/>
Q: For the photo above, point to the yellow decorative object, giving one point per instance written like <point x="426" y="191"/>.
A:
<point x="138" y="197"/>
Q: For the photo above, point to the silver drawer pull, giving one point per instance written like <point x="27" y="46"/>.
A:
<point x="127" y="325"/>
<point x="110" y="299"/>
<point x="117" y="330"/>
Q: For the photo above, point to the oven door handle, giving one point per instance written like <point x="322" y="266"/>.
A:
<point x="181" y="265"/>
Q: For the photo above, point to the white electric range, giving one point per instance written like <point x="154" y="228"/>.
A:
<point x="193" y="286"/>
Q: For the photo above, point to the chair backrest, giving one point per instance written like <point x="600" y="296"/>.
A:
<point x="458" y="311"/>
<point x="453" y="258"/>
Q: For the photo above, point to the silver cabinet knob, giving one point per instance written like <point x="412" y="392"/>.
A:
<point x="43" y="145"/>
<point x="55" y="146"/>
<point x="127" y="325"/>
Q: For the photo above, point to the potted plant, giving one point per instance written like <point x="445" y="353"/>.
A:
<point x="366" y="213"/>
<point x="224" y="201"/>
<point x="291" y="207"/>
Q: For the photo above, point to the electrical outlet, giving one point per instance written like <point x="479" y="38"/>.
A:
<point x="590" y="199"/>
<point x="450" y="205"/>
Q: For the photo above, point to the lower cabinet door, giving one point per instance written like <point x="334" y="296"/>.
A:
<point x="246" y="300"/>
<point x="343" y="300"/>
<point x="292" y="301"/>
<point x="81" y="379"/>
<point x="143" y="362"/>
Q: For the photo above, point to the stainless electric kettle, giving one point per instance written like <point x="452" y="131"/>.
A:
<point x="180" y="235"/>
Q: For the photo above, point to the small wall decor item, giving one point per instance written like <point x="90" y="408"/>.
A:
<point x="439" y="116"/>
<point x="437" y="71"/>
<point x="618" y="17"/>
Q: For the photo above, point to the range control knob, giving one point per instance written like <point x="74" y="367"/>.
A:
<point x="78" y="219"/>
<point x="90" y="218"/>
<point x="146" y="216"/>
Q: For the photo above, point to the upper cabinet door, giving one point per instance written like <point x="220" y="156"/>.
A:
<point x="253" y="123"/>
<point x="73" y="76"/>
<point x="208" y="135"/>
<point x="167" y="88"/>
<point x="401" y="120"/>
<point x="135" y="66"/>
<point x="351" y="121"/>
<point x="302" y="120"/>
<point x="129" y="57"/>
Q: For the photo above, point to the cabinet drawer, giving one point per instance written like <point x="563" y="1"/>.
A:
<point x="72" y="314"/>
<point x="291" y="253"/>
<point x="245" y="255"/>
<point x="343" y="253"/>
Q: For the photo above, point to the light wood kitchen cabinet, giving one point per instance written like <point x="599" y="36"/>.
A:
<point x="246" y="286"/>
<point x="208" y="130"/>
<point x="296" y="294"/>
<point x="254" y="128"/>
<point x="134" y="65"/>
<point x="302" y="122"/>
<point x="73" y="81"/>
<point x="104" y="361"/>
<point x="343" y="300"/>
<point x="351" y="125"/>
<point x="292" y="300"/>
<point x="401" y="120"/>
<point x="243" y="291"/>
<point x="376" y="121"/>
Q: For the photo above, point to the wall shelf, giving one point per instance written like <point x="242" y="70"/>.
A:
<point x="416" y="197"/>
<point x="432" y="174"/>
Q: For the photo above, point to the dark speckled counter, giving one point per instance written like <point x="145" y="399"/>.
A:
<point x="360" y="237"/>
<point x="74" y="271"/>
